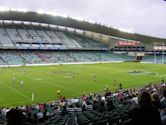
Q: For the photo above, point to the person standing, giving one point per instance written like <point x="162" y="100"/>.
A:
<point x="120" y="86"/>
<point x="58" y="92"/>
<point x="94" y="78"/>
<point x="13" y="78"/>
<point x="21" y="83"/>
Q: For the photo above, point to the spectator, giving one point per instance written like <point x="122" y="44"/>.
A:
<point x="64" y="110"/>
<point x="15" y="117"/>
<point x="110" y="105"/>
<point x="39" y="114"/>
<point x="35" y="119"/>
<point x="45" y="117"/>
<point x="29" y="118"/>
<point x="163" y="99"/>
<point x="102" y="107"/>
<point x="156" y="101"/>
<point x="145" y="113"/>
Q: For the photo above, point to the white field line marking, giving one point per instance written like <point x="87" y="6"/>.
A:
<point x="37" y="79"/>
<point x="20" y="93"/>
<point x="56" y="85"/>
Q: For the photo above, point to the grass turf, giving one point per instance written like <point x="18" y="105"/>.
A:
<point x="72" y="80"/>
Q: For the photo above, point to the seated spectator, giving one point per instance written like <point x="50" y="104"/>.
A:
<point x="102" y="107"/>
<point x="84" y="106"/>
<point x="145" y="113"/>
<point x="29" y="118"/>
<point x="163" y="116"/>
<point x="163" y="100"/>
<point x="35" y="119"/>
<point x="39" y="114"/>
<point x="15" y="117"/>
<point x="156" y="101"/>
<point x="45" y="117"/>
<point x="95" y="105"/>
<point x="64" y="110"/>
<point x="110" y="105"/>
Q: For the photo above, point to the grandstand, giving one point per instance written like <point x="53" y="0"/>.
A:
<point x="46" y="39"/>
<point x="42" y="39"/>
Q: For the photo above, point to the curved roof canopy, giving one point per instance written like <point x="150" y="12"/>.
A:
<point x="69" y="22"/>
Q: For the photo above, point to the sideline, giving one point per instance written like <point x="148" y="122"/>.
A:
<point x="43" y="64"/>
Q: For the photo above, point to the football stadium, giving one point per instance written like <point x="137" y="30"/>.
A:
<point x="57" y="70"/>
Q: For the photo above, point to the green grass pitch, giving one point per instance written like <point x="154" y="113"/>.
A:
<point x="72" y="80"/>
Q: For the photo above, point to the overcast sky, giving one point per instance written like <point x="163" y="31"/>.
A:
<point x="139" y="16"/>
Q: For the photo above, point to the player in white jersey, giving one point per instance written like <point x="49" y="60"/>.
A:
<point x="21" y="83"/>
<point x="13" y="78"/>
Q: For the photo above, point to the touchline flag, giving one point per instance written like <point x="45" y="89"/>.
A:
<point x="32" y="96"/>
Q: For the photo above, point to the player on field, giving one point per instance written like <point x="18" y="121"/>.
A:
<point x="21" y="83"/>
<point x="13" y="78"/>
<point x="58" y="92"/>
<point x="106" y="88"/>
<point x="94" y="78"/>
<point x="23" y="71"/>
<point x="120" y="86"/>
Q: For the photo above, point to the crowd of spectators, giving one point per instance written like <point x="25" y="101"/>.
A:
<point x="146" y="106"/>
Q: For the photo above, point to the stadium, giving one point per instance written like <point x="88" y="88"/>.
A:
<point x="60" y="69"/>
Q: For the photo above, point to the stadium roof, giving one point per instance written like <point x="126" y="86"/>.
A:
<point x="69" y="22"/>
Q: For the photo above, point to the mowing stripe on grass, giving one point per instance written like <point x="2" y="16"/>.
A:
<point x="56" y="85"/>
<point x="20" y="93"/>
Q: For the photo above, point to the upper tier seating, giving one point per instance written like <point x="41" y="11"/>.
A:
<point x="5" y="39"/>
<point x="12" y="57"/>
<point x="14" y="35"/>
<point x="47" y="39"/>
<point x="25" y="35"/>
